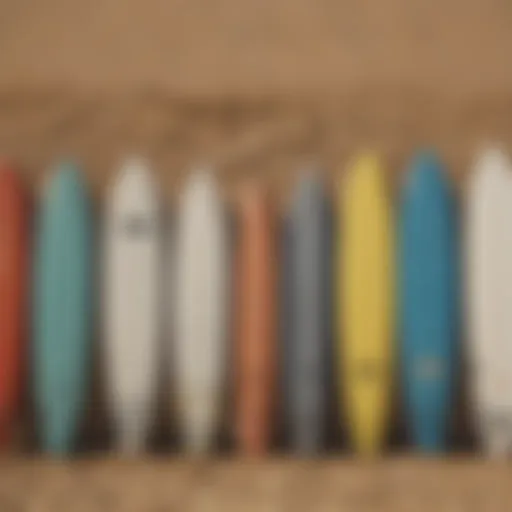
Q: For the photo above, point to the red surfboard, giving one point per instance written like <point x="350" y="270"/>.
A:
<point x="255" y="350"/>
<point x="13" y="276"/>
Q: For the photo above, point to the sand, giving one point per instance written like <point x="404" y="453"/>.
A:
<point x="399" y="485"/>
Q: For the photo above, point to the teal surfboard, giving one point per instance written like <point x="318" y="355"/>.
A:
<point x="428" y="268"/>
<point x="61" y="309"/>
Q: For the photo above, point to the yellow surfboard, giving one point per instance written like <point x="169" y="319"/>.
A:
<point x="366" y="294"/>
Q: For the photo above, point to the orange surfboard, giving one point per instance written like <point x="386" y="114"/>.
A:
<point x="13" y="273"/>
<point x="255" y="313"/>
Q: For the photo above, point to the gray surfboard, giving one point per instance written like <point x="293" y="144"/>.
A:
<point x="308" y="296"/>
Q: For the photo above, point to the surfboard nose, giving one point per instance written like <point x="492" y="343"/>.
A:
<point x="134" y="172"/>
<point x="365" y="173"/>
<point x="492" y="156"/>
<point x="491" y="162"/>
<point x="133" y="182"/>
<point x="67" y="173"/>
<point x="309" y="187"/>
<point x="490" y="173"/>
<point x="253" y="198"/>
<point x="201" y="177"/>
<point x="65" y="182"/>
<point x="427" y="165"/>
<point x="426" y="173"/>
<point x="201" y="184"/>
<point x="9" y="177"/>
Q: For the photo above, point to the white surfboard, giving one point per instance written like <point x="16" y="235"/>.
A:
<point x="489" y="281"/>
<point x="201" y="295"/>
<point x="131" y="303"/>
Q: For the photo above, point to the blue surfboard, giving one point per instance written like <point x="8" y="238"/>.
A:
<point x="428" y="268"/>
<point x="308" y="329"/>
<point x="61" y="309"/>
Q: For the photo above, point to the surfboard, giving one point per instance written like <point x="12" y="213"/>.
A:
<point x="307" y="354"/>
<point x="428" y="312"/>
<point x="256" y="311"/>
<point x="489" y="289"/>
<point x="201" y="305"/>
<point x="366" y="289"/>
<point x="13" y="295"/>
<point x="131" y="286"/>
<point x="61" y="309"/>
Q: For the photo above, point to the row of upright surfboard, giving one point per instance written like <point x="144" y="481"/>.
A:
<point x="266" y="308"/>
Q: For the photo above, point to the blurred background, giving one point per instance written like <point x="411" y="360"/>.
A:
<point x="256" y="87"/>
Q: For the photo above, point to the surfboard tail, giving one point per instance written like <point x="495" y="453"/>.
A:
<point x="57" y="436"/>
<point x="198" y="437"/>
<point x="253" y="433"/>
<point x="428" y="430"/>
<point x="199" y="421"/>
<point x="497" y="442"/>
<point x="307" y="435"/>
<point x="9" y="408"/>
<point x="131" y="439"/>
<point x="131" y="431"/>
<point x="6" y="431"/>
<point x="368" y="417"/>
